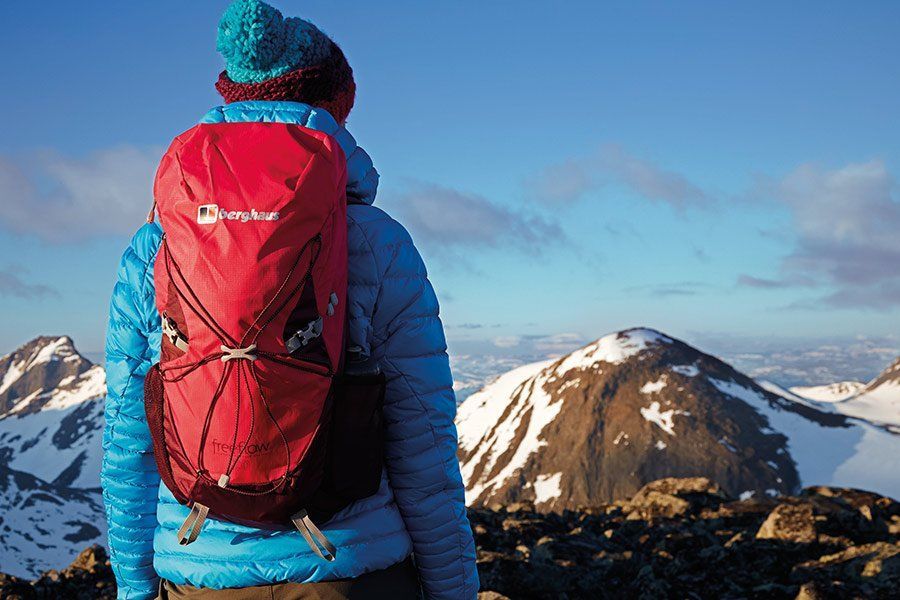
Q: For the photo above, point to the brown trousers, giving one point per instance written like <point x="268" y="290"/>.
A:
<point x="399" y="582"/>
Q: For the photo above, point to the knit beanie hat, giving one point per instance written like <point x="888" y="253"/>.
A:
<point x="268" y="57"/>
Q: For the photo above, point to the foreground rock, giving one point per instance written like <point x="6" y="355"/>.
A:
<point x="675" y="538"/>
<point x="684" y="538"/>
<point x="89" y="576"/>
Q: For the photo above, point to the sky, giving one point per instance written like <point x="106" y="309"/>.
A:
<point x="567" y="169"/>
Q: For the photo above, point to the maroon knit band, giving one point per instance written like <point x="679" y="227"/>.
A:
<point x="328" y="85"/>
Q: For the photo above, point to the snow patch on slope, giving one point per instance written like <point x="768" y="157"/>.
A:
<point x="654" y="387"/>
<point x="686" y="370"/>
<point x="878" y="405"/>
<point x="833" y="392"/>
<point x="664" y="419"/>
<point x="776" y="389"/>
<point x="525" y="404"/>
<point x="58" y="349"/>
<point x="546" y="487"/>
<point x="482" y="410"/>
<point x="859" y="455"/>
<point x="12" y="375"/>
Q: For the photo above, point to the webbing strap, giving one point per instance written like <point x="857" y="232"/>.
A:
<point x="309" y="531"/>
<point x="190" y="529"/>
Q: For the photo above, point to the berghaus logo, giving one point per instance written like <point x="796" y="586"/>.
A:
<point x="207" y="214"/>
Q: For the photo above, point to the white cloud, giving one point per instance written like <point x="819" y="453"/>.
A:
<point x="572" y="180"/>
<point x="63" y="199"/>
<point x="543" y="344"/>
<point x="507" y="341"/>
<point x="12" y="285"/>
<point x="442" y="218"/>
<point x="846" y="223"/>
<point x="563" y="183"/>
<point x="558" y="343"/>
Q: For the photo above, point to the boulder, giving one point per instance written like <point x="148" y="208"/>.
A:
<point x="790" y="523"/>
<point x="652" y="504"/>
<point x="672" y="497"/>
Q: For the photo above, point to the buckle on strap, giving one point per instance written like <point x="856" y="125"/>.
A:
<point x="171" y="331"/>
<point x="238" y="353"/>
<point x="190" y="529"/>
<point x="308" y="333"/>
<point x="320" y="544"/>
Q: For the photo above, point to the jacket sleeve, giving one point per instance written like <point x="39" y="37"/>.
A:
<point x="128" y="474"/>
<point x="420" y="406"/>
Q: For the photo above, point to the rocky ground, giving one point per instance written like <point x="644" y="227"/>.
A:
<point x="676" y="538"/>
<point x="683" y="538"/>
<point x="88" y="577"/>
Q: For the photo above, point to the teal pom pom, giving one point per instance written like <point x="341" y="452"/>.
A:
<point x="258" y="43"/>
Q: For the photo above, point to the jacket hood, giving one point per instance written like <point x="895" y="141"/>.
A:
<point x="362" y="178"/>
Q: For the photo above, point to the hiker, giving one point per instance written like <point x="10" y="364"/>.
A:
<point x="205" y="532"/>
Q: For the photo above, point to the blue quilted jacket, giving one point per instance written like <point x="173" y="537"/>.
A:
<point x="419" y="508"/>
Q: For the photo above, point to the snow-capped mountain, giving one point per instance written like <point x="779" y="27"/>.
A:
<point x="53" y="407"/>
<point x="51" y="420"/>
<point x="638" y="405"/>
<point x="832" y="392"/>
<point x="28" y="374"/>
<point x="877" y="402"/>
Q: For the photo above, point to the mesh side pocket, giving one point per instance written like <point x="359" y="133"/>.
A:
<point x="154" y="404"/>
<point x="356" y="445"/>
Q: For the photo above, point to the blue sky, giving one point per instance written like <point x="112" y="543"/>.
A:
<point x="568" y="168"/>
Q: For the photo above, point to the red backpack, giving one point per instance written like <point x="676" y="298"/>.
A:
<point x="252" y="417"/>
